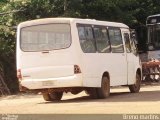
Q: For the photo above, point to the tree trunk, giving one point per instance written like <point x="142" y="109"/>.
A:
<point x="3" y="86"/>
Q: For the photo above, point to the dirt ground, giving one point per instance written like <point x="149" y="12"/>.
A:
<point x="121" y="101"/>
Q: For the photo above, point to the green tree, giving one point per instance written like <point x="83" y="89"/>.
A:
<point x="12" y="12"/>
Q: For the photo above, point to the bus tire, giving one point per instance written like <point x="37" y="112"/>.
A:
<point x="135" y="88"/>
<point x="46" y="96"/>
<point x="104" y="90"/>
<point x="54" y="96"/>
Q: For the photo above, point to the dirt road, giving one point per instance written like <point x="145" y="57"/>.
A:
<point x="120" y="101"/>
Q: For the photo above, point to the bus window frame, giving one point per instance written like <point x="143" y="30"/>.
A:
<point x="40" y="25"/>
<point x="121" y="38"/>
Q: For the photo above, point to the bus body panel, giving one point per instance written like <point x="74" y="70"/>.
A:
<point x="95" y="67"/>
<point x="47" y="65"/>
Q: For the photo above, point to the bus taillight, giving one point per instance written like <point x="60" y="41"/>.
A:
<point x="19" y="75"/>
<point x="77" y="69"/>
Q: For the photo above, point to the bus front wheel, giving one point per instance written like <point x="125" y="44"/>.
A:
<point x="136" y="87"/>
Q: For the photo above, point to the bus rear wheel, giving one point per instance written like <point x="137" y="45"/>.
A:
<point x="54" y="96"/>
<point x="136" y="87"/>
<point x="104" y="90"/>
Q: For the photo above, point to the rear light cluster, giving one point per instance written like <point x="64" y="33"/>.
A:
<point x="77" y="69"/>
<point x="19" y="75"/>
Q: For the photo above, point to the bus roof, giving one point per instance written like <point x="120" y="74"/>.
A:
<point x="153" y="19"/>
<point x="153" y="15"/>
<point x="71" y="20"/>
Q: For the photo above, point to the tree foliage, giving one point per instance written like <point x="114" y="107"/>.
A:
<point x="12" y="12"/>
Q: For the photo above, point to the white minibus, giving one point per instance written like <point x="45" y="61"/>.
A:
<point x="57" y="55"/>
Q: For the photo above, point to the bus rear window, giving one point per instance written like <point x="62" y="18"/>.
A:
<point x="45" y="37"/>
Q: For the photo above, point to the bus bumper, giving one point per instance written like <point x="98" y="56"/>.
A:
<point x="69" y="81"/>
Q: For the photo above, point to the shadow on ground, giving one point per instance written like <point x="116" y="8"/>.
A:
<point x="143" y="96"/>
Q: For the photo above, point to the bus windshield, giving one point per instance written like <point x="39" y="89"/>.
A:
<point x="154" y="37"/>
<point x="45" y="37"/>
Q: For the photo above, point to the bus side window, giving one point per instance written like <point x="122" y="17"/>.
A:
<point x="127" y="42"/>
<point x="86" y="39"/>
<point x="116" y="40"/>
<point x="102" y="41"/>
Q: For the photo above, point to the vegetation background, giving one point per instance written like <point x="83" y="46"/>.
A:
<point x="12" y="12"/>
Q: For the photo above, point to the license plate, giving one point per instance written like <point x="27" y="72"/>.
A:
<point x="47" y="83"/>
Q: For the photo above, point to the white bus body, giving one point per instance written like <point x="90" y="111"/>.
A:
<point x="68" y="54"/>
